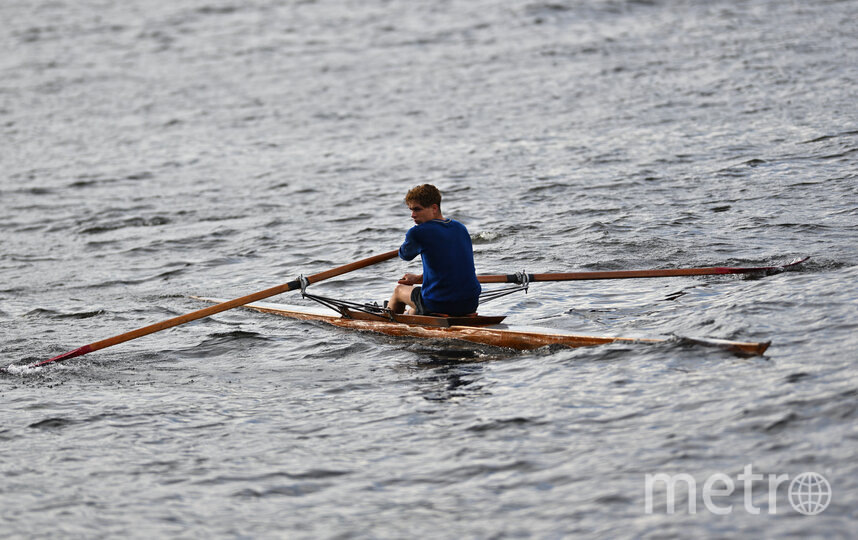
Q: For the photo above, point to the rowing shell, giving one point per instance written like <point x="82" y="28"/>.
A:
<point x="497" y="335"/>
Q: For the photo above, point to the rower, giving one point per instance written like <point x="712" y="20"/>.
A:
<point x="448" y="284"/>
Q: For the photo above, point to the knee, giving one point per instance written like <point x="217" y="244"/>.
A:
<point x="402" y="292"/>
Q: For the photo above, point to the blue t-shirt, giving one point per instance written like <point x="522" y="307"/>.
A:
<point x="448" y="260"/>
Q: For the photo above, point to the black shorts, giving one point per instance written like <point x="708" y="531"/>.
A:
<point x="453" y="309"/>
<point x="417" y="298"/>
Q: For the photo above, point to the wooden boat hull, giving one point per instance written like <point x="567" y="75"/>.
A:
<point x="499" y="335"/>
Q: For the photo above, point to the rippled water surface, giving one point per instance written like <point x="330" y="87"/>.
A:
<point x="157" y="150"/>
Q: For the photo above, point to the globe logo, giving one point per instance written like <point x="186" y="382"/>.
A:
<point x="809" y="493"/>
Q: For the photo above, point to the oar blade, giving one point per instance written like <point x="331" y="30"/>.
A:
<point x="742" y="348"/>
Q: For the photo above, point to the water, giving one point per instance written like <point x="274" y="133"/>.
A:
<point x="153" y="151"/>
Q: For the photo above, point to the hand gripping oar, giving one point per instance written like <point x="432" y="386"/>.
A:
<point x="626" y="274"/>
<point x="182" y="319"/>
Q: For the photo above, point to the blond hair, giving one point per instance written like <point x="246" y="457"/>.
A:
<point x="425" y="195"/>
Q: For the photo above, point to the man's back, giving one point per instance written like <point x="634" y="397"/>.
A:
<point x="448" y="260"/>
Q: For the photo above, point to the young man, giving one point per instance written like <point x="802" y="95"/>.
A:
<point x="449" y="281"/>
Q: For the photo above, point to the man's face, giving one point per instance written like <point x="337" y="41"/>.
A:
<point x="420" y="214"/>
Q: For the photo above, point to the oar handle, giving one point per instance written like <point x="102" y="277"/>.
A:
<point x="346" y="268"/>
<point x="212" y="310"/>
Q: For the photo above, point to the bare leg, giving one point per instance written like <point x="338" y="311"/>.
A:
<point x="401" y="298"/>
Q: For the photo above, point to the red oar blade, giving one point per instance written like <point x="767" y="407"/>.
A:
<point x="80" y="351"/>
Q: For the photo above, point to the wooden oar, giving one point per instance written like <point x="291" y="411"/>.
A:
<point x="182" y="319"/>
<point x="626" y="274"/>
